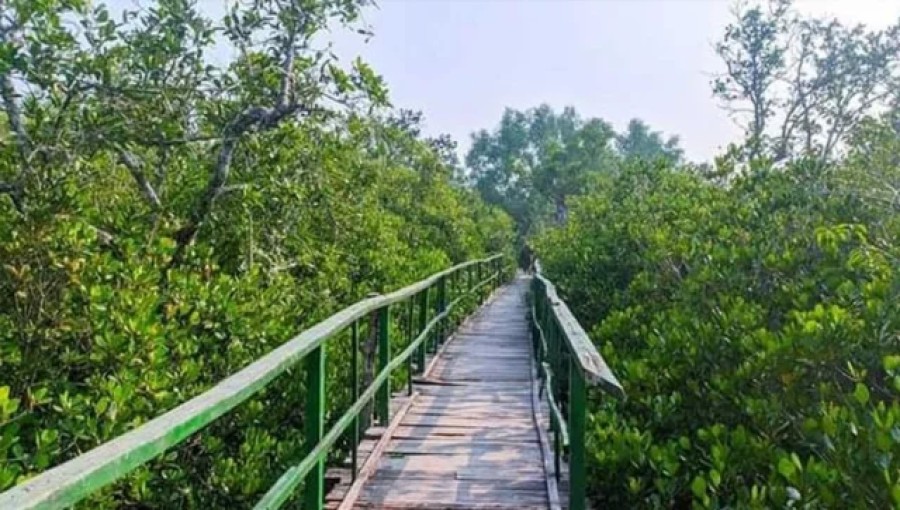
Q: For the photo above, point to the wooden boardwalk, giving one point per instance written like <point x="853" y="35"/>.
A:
<point x="471" y="435"/>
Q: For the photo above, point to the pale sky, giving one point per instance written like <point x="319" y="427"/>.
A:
<point x="462" y="61"/>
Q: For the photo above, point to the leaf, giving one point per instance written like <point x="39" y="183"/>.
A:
<point x="698" y="487"/>
<point x="715" y="478"/>
<point x="786" y="468"/>
<point x="891" y="362"/>
<point x="861" y="394"/>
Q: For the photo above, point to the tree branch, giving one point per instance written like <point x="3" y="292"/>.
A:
<point x="252" y="117"/>
<point x="287" y="71"/>
<point x="15" y="194"/>
<point x="130" y="162"/>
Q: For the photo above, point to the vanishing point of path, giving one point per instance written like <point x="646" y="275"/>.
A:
<point x="470" y="436"/>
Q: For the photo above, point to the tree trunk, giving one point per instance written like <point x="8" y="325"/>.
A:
<point x="562" y="210"/>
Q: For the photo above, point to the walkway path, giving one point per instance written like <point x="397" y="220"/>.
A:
<point x="469" y="437"/>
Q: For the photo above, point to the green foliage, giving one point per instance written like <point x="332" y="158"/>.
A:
<point x="536" y="159"/>
<point x="164" y="222"/>
<point x="640" y="142"/>
<point x="754" y="327"/>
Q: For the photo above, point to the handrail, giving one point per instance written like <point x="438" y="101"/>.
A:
<point x="74" y="480"/>
<point x="568" y="363"/>
<point x="591" y="363"/>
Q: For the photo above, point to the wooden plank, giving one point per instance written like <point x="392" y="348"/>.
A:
<point x="458" y="421"/>
<point x="371" y="463"/>
<point x="471" y="448"/>
<point x="467" y="486"/>
<point x="413" y="476"/>
<point x="464" y="492"/>
<point x="472" y="438"/>
<point x="494" y="458"/>
<point x="417" y="505"/>
<point x="476" y="399"/>
<point x="485" y="433"/>
<point x="482" y="410"/>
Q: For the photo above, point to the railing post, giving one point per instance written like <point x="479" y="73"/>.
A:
<point x="451" y="292"/>
<point x="496" y="267"/>
<point x="480" y="278"/>
<point x="383" y="397"/>
<point x="442" y="300"/>
<point x="314" y="491"/>
<point x="454" y="293"/>
<point x="411" y="335"/>
<point x="436" y="331"/>
<point x="423" y="321"/>
<point x="577" y="423"/>
<point x="354" y="383"/>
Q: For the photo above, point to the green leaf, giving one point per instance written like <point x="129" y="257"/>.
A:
<point x="787" y="468"/>
<point x="891" y="362"/>
<point x="698" y="487"/>
<point x="861" y="393"/>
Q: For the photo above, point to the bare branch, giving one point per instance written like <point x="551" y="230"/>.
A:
<point x="234" y="188"/>
<point x="131" y="162"/>
<point x="287" y="71"/>
<point x="15" y="194"/>
<point x="14" y="115"/>
<point x="253" y="117"/>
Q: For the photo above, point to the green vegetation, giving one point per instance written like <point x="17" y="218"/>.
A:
<point x="535" y="160"/>
<point x="752" y="310"/>
<point x="166" y="219"/>
<point x="164" y="222"/>
<point x="754" y="329"/>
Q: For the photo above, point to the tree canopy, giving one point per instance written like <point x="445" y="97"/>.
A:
<point x="800" y="85"/>
<point x="536" y="159"/>
<point x="165" y="220"/>
<point x="754" y="327"/>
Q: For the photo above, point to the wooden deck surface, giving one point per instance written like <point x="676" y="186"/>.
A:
<point x="469" y="437"/>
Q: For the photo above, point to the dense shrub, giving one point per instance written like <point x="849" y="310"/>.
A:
<point x="164" y="222"/>
<point x="754" y="326"/>
<point x="93" y="344"/>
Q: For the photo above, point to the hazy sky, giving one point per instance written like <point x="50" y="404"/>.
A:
<point x="462" y="61"/>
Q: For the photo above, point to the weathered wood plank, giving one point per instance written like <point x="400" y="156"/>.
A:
<point x="454" y="421"/>
<point x="416" y="505"/>
<point x="452" y="491"/>
<point x="485" y="433"/>
<point x="471" y="440"/>
<point x="371" y="463"/>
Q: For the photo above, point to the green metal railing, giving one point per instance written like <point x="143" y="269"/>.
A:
<point x="568" y="364"/>
<point x="436" y="297"/>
